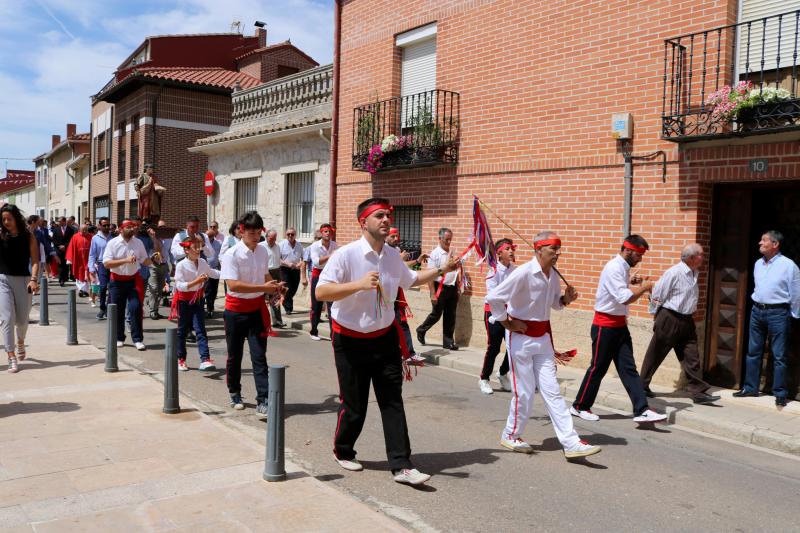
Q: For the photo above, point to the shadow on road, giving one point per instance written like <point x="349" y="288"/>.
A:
<point x="41" y="364"/>
<point x="329" y="405"/>
<point x="19" y="408"/>
<point x="438" y="463"/>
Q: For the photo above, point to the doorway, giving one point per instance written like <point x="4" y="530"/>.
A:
<point x="740" y="215"/>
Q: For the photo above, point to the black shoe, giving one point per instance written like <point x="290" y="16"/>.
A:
<point x="288" y="311"/>
<point x="705" y="398"/>
<point x="83" y="294"/>
<point x="100" y="316"/>
<point x="191" y="337"/>
<point x="421" y="337"/>
<point x="279" y="325"/>
<point x="155" y="316"/>
<point x="649" y="393"/>
<point x="452" y="346"/>
<point x="745" y="394"/>
<point x="780" y="402"/>
<point x="209" y="314"/>
<point x="60" y="283"/>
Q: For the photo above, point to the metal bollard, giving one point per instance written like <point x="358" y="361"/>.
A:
<point x="274" y="469"/>
<point x="171" y="405"/>
<point x="72" y="316"/>
<point x="44" y="312"/>
<point x="111" y="339"/>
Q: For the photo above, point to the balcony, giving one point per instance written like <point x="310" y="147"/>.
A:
<point x="732" y="81"/>
<point x="406" y="132"/>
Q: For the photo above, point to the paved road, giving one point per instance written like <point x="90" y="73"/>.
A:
<point x="644" y="480"/>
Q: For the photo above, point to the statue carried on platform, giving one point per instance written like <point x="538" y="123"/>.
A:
<point x="150" y="195"/>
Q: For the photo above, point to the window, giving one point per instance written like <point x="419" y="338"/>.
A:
<point x="408" y="219"/>
<point x="120" y="211"/>
<point x="134" y="161"/>
<point x="417" y="69"/>
<point x="101" y="207"/>
<point x="300" y="203"/>
<point x="121" y="166"/>
<point x="246" y="195"/>
<point x="134" y="207"/>
<point x="100" y="150"/>
<point x="135" y="123"/>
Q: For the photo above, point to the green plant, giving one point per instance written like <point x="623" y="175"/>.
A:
<point x="426" y="131"/>
<point x="367" y="133"/>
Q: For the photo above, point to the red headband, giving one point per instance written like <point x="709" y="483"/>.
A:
<point x="394" y="231"/>
<point x="372" y="208"/>
<point x="638" y="249"/>
<point x="186" y="244"/>
<point x="128" y="224"/>
<point x="546" y="242"/>
<point x="506" y="245"/>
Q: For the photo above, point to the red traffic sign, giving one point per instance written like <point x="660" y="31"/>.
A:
<point x="208" y="183"/>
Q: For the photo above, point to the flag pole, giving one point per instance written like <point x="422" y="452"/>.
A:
<point x="526" y="241"/>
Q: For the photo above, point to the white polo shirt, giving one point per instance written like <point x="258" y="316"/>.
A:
<point x="119" y="248"/>
<point x="317" y="250"/>
<point x="352" y="262"/>
<point x="178" y="253"/>
<point x="274" y="254"/>
<point x="497" y="276"/>
<point x="613" y="291"/>
<point x="438" y="259"/>
<point x="187" y="271"/>
<point x="242" y="264"/>
<point x="289" y="253"/>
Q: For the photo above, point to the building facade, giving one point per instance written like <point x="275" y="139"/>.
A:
<point x="170" y="92"/>
<point x="18" y="187"/>
<point x="276" y="156"/>
<point x="537" y="107"/>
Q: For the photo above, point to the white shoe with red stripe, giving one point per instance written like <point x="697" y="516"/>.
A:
<point x="517" y="445"/>
<point x="411" y="476"/>
<point x="182" y="365"/>
<point x="485" y="387"/>
<point x="585" y="415"/>
<point x="349" y="464"/>
<point x="582" y="449"/>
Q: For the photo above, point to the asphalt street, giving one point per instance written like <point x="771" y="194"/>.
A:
<point x="655" y="479"/>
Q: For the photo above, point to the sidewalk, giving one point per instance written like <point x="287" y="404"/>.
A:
<point x="754" y="421"/>
<point x="85" y="450"/>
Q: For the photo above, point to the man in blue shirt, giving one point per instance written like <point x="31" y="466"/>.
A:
<point x="96" y="268"/>
<point x="776" y="299"/>
<point x="212" y="285"/>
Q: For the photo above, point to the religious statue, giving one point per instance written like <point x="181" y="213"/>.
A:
<point x="150" y="195"/>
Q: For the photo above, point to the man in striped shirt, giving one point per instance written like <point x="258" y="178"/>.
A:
<point x="674" y="301"/>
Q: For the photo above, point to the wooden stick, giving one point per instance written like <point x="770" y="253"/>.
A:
<point x="526" y="241"/>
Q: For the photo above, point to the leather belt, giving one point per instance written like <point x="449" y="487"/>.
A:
<point x="771" y="306"/>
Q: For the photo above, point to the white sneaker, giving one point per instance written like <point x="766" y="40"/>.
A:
<point x="411" y="476"/>
<point x="586" y="415"/>
<point x="485" y="387"/>
<point x="182" y="365"/>
<point x="94" y="304"/>
<point x="516" y="445"/>
<point x="582" y="449"/>
<point x="505" y="383"/>
<point x="120" y="344"/>
<point x="649" y="416"/>
<point x="349" y="464"/>
<point x="208" y="364"/>
<point x="416" y="360"/>
<point x="140" y="346"/>
<point x="315" y="338"/>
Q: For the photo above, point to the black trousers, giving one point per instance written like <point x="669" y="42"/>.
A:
<point x="611" y="344"/>
<point x="495" y="334"/>
<point x="672" y="330"/>
<point x="291" y="276"/>
<point x="316" y="307"/>
<point x="249" y="326"/>
<point x="445" y="307"/>
<point x="359" y="362"/>
<point x="212" y="288"/>
<point x="63" y="268"/>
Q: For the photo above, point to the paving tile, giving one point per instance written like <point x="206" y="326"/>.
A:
<point x="120" y="520"/>
<point x="21" y="490"/>
<point x="57" y="461"/>
<point x="120" y="473"/>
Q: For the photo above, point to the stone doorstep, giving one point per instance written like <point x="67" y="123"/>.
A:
<point x="738" y="427"/>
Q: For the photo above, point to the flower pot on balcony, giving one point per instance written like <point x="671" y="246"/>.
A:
<point x="769" y="115"/>
<point x="397" y="158"/>
<point x="429" y="154"/>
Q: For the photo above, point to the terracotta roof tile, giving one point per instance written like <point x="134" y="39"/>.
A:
<point x="209" y="76"/>
<point x="16" y="179"/>
<point x="284" y="44"/>
<point x="79" y="137"/>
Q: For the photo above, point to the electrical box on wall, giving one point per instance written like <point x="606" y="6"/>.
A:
<point x="621" y="126"/>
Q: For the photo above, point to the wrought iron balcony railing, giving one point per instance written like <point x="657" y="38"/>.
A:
<point x="406" y="132"/>
<point x="735" y="80"/>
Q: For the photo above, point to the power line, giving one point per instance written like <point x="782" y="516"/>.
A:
<point x="17" y="158"/>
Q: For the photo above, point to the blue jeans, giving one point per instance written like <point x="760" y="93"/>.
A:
<point x="125" y="295"/>
<point x="190" y="316"/>
<point x="775" y="323"/>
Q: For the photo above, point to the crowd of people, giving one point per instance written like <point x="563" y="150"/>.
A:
<point x="360" y="286"/>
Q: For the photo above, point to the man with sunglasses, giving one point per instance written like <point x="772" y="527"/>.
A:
<point x="293" y="271"/>
<point x="97" y="271"/>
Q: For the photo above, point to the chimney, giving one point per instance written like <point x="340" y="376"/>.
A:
<point x="261" y="33"/>
<point x="56" y="140"/>
<point x="71" y="131"/>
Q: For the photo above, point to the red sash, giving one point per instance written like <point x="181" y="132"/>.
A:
<point x="610" y="321"/>
<point x="184" y="296"/>
<point x="402" y="305"/>
<point x="315" y="272"/>
<point x="139" y="284"/>
<point x="249" y="305"/>
<point x="486" y="308"/>
<point x="536" y="328"/>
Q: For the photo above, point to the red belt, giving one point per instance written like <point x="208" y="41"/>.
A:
<point x="183" y="296"/>
<point x="249" y="305"/>
<point x="138" y="283"/>
<point x="341" y="330"/>
<point x="486" y="308"/>
<point x="537" y="328"/>
<point x="315" y="272"/>
<point x="609" y="321"/>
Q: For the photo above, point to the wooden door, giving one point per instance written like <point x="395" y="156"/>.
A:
<point x="729" y="271"/>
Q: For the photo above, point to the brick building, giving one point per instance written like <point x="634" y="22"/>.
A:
<point x="513" y="101"/>
<point x="170" y="92"/>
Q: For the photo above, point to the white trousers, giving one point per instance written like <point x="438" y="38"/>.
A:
<point x="532" y="367"/>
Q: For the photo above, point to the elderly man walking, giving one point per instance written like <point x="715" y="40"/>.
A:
<point x="776" y="299"/>
<point x="673" y="302"/>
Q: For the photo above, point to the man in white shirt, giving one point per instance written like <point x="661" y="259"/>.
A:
<point x="192" y="229"/>
<point x="293" y="270"/>
<point x="673" y="302"/>
<point x="124" y="256"/>
<point x="522" y="303"/>
<point x="362" y="280"/>
<point x="402" y="310"/>
<point x="444" y="294"/>
<point x="495" y="332"/>
<point x="776" y="300"/>
<point x="611" y="340"/>
<point x="319" y="253"/>
<point x="246" y="315"/>
<point x="274" y="269"/>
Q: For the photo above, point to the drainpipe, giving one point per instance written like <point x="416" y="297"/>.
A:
<point x="626" y="218"/>
<point x="155" y="118"/>
<point x="337" y="43"/>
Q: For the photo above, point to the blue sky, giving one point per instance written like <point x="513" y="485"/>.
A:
<point x="54" y="54"/>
